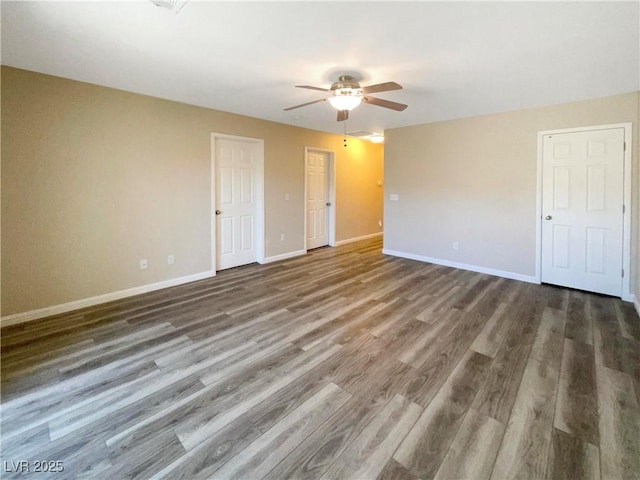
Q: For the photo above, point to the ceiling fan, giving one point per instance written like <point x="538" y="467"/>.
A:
<point x="346" y="94"/>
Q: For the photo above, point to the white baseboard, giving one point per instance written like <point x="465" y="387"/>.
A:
<point x="284" y="256"/>
<point x="356" y="239"/>
<point x="464" y="266"/>
<point x="298" y="253"/>
<point x="97" y="300"/>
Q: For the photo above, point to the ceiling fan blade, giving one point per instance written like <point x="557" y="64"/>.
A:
<point x="343" y="115"/>
<point x="385" y="103"/>
<point x="304" y="104"/>
<point x="381" y="87"/>
<point x="313" y="88"/>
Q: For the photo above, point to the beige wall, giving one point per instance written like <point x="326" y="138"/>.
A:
<point x="474" y="181"/>
<point x="95" y="179"/>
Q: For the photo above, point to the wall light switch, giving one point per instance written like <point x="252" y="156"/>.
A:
<point x="171" y="260"/>
<point x="394" y="197"/>
<point x="286" y="197"/>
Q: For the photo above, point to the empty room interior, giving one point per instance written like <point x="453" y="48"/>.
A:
<point x="320" y="240"/>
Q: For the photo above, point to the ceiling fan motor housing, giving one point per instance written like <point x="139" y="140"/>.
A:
<point x="345" y="82"/>
<point x="346" y="86"/>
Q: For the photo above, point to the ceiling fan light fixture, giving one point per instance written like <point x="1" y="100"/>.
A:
<point x="173" y="5"/>
<point x="347" y="99"/>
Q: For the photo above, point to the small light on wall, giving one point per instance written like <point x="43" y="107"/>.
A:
<point x="377" y="138"/>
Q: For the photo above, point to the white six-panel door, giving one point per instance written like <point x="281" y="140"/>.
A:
<point x="582" y="216"/>
<point x="317" y="199"/>
<point x="236" y="203"/>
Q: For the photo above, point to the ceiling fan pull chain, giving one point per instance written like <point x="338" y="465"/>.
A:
<point x="345" y="133"/>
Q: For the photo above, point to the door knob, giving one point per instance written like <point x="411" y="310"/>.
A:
<point x="328" y="204"/>
<point x="218" y="212"/>
<point x="548" y="217"/>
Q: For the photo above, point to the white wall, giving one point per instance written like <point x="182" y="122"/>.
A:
<point x="473" y="181"/>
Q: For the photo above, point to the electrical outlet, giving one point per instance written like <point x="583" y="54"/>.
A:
<point x="455" y="245"/>
<point x="143" y="264"/>
<point x="171" y="260"/>
<point x="286" y="197"/>
<point x="282" y="237"/>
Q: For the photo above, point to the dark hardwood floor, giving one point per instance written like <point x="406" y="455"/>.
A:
<point x="342" y="364"/>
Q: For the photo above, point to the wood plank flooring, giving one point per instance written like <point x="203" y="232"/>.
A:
<point x="342" y="364"/>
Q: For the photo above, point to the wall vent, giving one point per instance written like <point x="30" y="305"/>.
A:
<point x="360" y="133"/>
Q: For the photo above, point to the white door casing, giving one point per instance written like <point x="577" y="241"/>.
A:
<point x="319" y="198"/>
<point x="237" y="201"/>
<point x="582" y="229"/>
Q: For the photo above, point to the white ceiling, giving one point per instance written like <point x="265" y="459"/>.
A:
<point x="454" y="59"/>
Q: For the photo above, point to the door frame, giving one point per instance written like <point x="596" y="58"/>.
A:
<point x="626" y="220"/>
<point x="332" y="194"/>
<point x="260" y="231"/>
